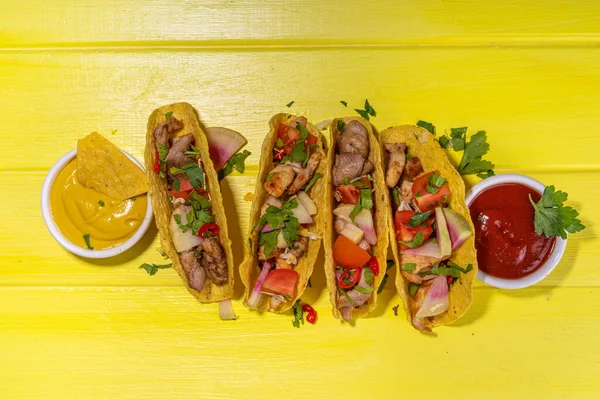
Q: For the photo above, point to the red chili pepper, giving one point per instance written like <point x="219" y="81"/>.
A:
<point x="311" y="313"/>
<point x="156" y="163"/>
<point x="349" y="278"/>
<point x="450" y="279"/>
<point x="211" y="229"/>
<point x="374" y="265"/>
<point x="278" y="153"/>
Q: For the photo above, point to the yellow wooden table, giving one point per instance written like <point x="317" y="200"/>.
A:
<point x="526" y="71"/>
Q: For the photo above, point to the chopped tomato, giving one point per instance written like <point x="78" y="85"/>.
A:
<point x="184" y="183"/>
<point x="281" y="281"/>
<point x="405" y="232"/>
<point x="288" y="136"/>
<point x="374" y="265"/>
<point x="185" y="194"/>
<point x="156" y="163"/>
<point x="347" y="254"/>
<point x="311" y="140"/>
<point x="428" y="201"/>
<point x="350" y="193"/>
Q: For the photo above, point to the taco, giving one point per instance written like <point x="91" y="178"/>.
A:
<point x="187" y="202"/>
<point x="356" y="238"/>
<point x="430" y="228"/>
<point x="287" y="215"/>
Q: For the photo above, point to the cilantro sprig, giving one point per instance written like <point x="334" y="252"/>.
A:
<point x="312" y="181"/>
<point x="237" y="162"/>
<point x="193" y="172"/>
<point x="86" y="238"/>
<point x="152" y="269"/>
<point x="427" y="126"/>
<point x="199" y="215"/>
<point x="474" y="149"/>
<point x="282" y="219"/>
<point x="368" y="112"/>
<point x="552" y="218"/>
<point x="415" y="242"/>
<point x="390" y="264"/>
<point x="365" y="200"/>
<point x="298" y="314"/>
<point x="450" y="269"/>
<point x="419" y="219"/>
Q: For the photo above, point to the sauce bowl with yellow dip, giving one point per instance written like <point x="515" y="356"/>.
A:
<point x="89" y="223"/>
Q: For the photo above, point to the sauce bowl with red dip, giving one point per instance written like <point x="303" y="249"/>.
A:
<point x="510" y="254"/>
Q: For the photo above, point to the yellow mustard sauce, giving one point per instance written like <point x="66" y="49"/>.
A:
<point x="80" y="211"/>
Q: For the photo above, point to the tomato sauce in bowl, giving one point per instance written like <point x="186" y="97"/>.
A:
<point x="505" y="239"/>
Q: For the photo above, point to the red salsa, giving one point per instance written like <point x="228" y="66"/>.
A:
<point x="506" y="242"/>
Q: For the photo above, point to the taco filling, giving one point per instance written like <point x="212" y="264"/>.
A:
<point x="192" y="226"/>
<point x="427" y="232"/>
<point x="287" y="214"/>
<point x="353" y="222"/>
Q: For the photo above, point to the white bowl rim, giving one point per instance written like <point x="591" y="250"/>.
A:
<point x="62" y="239"/>
<point x="559" y="245"/>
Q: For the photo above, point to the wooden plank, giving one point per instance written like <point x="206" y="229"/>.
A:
<point x="91" y="343"/>
<point x="216" y="22"/>
<point x="526" y="98"/>
<point x="30" y="256"/>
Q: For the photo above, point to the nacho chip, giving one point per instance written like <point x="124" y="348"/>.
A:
<point x="103" y="167"/>
<point x="423" y="145"/>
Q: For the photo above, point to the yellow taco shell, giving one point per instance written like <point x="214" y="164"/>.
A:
<point x="422" y="144"/>
<point x="249" y="270"/>
<point x="162" y="206"/>
<point x="379" y="219"/>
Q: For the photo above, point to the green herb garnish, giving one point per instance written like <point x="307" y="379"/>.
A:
<point x="427" y="125"/>
<point x="195" y="152"/>
<point x="169" y="115"/>
<point x="269" y="176"/>
<point x="288" y="105"/>
<point x="396" y="196"/>
<point x="345" y="104"/>
<point x="340" y="125"/>
<point x="472" y="161"/>
<point x="552" y="218"/>
<point x="277" y="217"/>
<point x="434" y="183"/>
<point x="237" y="162"/>
<point x="298" y="314"/>
<point x="412" y="289"/>
<point x="409" y="267"/>
<point x="86" y="238"/>
<point x="451" y="269"/>
<point x="363" y="289"/>
<point x="343" y="292"/>
<point x="390" y="264"/>
<point x="419" y="219"/>
<point x="370" y="110"/>
<point x="416" y="242"/>
<point x="279" y="143"/>
<point x="152" y="269"/>
<point x="101" y="203"/>
<point x="312" y="181"/>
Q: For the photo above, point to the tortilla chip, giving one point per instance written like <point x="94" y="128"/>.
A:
<point x="184" y="112"/>
<point x="103" y="167"/>
<point x="380" y="219"/>
<point x="423" y="145"/>
<point x="249" y="270"/>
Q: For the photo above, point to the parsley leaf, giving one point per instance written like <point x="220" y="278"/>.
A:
<point x="288" y="105"/>
<point x="269" y="240"/>
<point x="365" y="200"/>
<point x="86" y="238"/>
<point x="416" y="242"/>
<point x="298" y="314"/>
<point x="552" y="218"/>
<point x="162" y="152"/>
<point x="472" y="161"/>
<point x="237" y="162"/>
<point x="412" y="289"/>
<point x="396" y="196"/>
<point x="344" y="103"/>
<point x="340" y="125"/>
<point x="169" y="115"/>
<point x="152" y="269"/>
<point x="363" y="290"/>
<point x="299" y="153"/>
<point x="409" y="267"/>
<point x="427" y="125"/>
<point x="369" y="276"/>
<point x="312" y="181"/>
<point x="194" y="152"/>
<point x="279" y="143"/>
<point x="370" y="110"/>
<point x="451" y="269"/>
<point x="419" y="219"/>
<point x="362" y="113"/>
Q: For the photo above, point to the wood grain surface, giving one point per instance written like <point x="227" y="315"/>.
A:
<point x="526" y="72"/>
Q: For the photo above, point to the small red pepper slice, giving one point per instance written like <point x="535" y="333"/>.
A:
<point x="156" y="163"/>
<point x="211" y="229"/>
<point x="374" y="265"/>
<point x="349" y="278"/>
<point x="450" y="278"/>
<point x="311" y="313"/>
<point x="278" y="153"/>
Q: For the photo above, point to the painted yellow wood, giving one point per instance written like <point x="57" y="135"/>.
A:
<point x="525" y="71"/>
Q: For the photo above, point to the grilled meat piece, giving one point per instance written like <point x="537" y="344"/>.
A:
<point x="350" y="165"/>
<point x="213" y="260"/>
<point x="303" y="175"/>
<point x="396" y="163"/>
<point x="165" y="129"/>
<point x="281" y="177"/>
<point x="175" y="156"/>
<point x="195" y="272"/>
<point x="412" y="169"/>
<point x="354" y="139"/>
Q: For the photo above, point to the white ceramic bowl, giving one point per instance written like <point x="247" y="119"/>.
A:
<point x="559" y="245"/>
<point x="66" y="243"/>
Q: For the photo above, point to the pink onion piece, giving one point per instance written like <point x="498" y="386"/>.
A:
<point x="226" y="311"/>
<point x="436" y="299"/>
<point x="254" y="299"/>
<point x="268" y="228"/>
<point x="428" y="249"/>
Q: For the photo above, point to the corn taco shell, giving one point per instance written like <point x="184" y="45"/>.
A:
<point x="249" y="270"/>
<point x="423" y="145"/>
<point x="158" y="191"/>
<point x="380" y="200"/>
